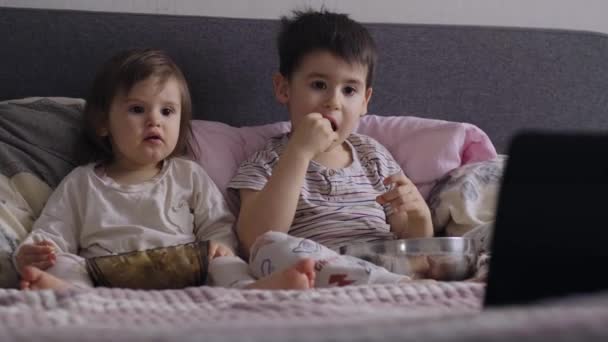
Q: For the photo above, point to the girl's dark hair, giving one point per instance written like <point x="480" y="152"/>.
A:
<point x="309" y="31"/>
<point x="117" y="76"/>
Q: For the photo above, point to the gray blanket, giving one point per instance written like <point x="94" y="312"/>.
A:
<point x="42" y="137"/>
<point x="40" y="142"/>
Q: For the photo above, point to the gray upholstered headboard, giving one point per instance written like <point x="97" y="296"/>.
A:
<point x="500" y="79"/>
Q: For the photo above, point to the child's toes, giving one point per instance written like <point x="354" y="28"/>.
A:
<point x="43" y="265"/>
<point x="24" y="285"/>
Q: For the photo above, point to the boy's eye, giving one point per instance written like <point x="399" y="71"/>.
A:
<point x="136" y="109"/>
<point x="167" y="111"/>
<point x="318" y="85"/>
<point x="349" y="91"/>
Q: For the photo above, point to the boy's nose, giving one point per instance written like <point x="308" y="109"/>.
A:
<point x="332" y="101"/>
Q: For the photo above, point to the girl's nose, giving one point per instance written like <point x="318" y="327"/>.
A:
<point x="154" y="118"/>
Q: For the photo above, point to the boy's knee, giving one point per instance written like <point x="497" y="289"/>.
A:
<point x="266" y="239"/>
<point x="273" y="235"/>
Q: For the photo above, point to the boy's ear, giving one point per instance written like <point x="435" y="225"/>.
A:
<point x="368" y="97"/>
<point x="281" y="88"/>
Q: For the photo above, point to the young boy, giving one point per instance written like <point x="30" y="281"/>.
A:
<point x="321" y="183"/>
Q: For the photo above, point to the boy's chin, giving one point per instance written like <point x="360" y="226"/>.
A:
<point x="339" y="145"/>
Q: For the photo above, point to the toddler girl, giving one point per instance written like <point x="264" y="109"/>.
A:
<point x="137" y="192"/>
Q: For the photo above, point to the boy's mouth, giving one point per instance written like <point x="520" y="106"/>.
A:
<point x="334" y="125"/>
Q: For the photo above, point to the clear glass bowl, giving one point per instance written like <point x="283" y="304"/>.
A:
<point x="439" y="258"/>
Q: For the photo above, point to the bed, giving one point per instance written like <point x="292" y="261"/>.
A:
<point x="499" y="80"/>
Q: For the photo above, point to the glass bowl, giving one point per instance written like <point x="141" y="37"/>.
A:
<point x="439" y="258"/>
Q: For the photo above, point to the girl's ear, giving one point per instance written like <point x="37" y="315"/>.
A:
<point x="281" y="88"/>
<point x="102" y="131"/>
<point x="101" y="125"/>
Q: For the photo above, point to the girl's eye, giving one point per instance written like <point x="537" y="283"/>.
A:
<point x="136" y="109"/>
<point x="318" y="85"/>
<point x="349" y="91"/>
<point x="167" y="111"/>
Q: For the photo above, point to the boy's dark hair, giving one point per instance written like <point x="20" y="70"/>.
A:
<point x="309" y="31"/>
<point x="117" y="76"/>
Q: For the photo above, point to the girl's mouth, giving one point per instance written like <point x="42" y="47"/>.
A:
<point x="156" y="139"/>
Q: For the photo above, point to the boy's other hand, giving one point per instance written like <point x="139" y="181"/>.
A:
<point x="217" y="249"/>
<point x="314" y="134"/>
<point x="40" y="255"/>
<point x="404" y="197"/>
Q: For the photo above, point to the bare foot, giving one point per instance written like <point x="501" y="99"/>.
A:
<point x="299" y="276"/>
<point x="420" y="266"/>
<point x="33" y="278"/>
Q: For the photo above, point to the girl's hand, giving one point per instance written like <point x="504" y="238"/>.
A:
<point x="217" y="249"/>
<point x="405" y="199"/>
<point x="40" y="255"/>
<point x="313" y="134"/>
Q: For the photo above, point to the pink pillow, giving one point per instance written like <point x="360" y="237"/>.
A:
<point x="222" y="149"/>
<point x="426" y="149"/>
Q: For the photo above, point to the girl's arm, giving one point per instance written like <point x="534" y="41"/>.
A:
<point x="39" y="254"/>
<point x="55" y="231"/>
<point x="212" y="217"/>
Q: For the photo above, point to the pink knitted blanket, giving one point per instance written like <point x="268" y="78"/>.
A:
<point x="120" y="313"/>
<point x="427" y="312"/>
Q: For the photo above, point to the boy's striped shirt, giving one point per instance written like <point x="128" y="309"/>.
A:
<point x="336" y="207"/>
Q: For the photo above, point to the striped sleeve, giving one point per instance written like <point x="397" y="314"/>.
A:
<point x="383" y="160"/>
<point x="254" y="172"/>
<point x="391" y="164"/>
<point x="391" y="168"/>
<point x="375" y="156"/>
<point x="388" y="165"/>
<point x="387" y="168"/>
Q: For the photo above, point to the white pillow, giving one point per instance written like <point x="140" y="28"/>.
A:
<point x="466" y="197"/>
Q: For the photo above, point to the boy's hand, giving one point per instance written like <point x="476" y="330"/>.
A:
<point x="314" y="134"/>
<point x="40" y="255"/>
<point x="217" y="249"/>
<point x="406" y="200"/>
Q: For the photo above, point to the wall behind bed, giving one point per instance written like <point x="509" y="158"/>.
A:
<point x="564" y="14"/>
<point x="501" y="79"/>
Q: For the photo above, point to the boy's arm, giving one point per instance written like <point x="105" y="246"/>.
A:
<point x="406" y="227"/>
<point x="407" y="212"/>
<point x="410" y="216"/>
<point x="273" y="207"/>
<point x="398" y="223"/>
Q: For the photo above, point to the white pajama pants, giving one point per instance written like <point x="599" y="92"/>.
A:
<point x="272" y="252"/>
<point x="275" y="251"/>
